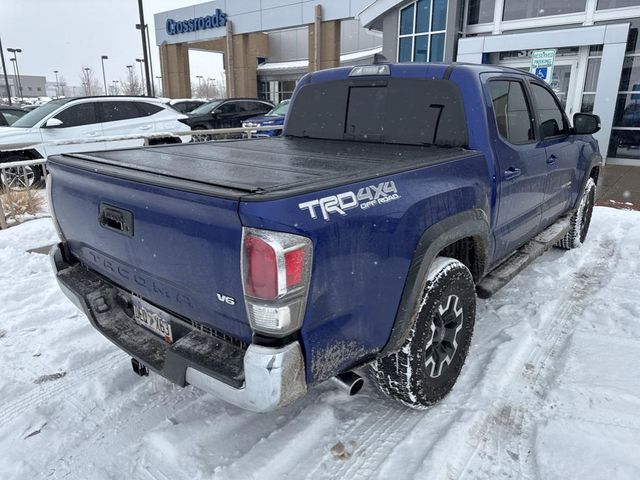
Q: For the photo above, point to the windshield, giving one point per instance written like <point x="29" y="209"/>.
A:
<point x="34" y="116"/>
<point x="281" y="109"/>
<point x="207" y="107"/>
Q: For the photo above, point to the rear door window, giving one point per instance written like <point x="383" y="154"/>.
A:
<point x="78" y="115"/>
<point x="115" y="111"/>
<point x="513" y="114"/>
<point x="228" y="108"/>
<point x="148" y="108"/>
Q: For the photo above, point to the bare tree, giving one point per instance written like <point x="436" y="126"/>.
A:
<point x="90" y="83"/>
<point x="132" y="85"/>
<point x="114" y="89"/>
<point x="206" y="89"/>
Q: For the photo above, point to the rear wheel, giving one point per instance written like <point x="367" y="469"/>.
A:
<point x="431" y="358"/>
<point x="581" y="219"/>
<point x="195" y="137"/>
<point x="20" y="178"/>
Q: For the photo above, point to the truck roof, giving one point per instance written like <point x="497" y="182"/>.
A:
<point x="419" y="70"/>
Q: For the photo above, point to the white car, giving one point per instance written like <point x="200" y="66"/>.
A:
<point x="86" y="120"/>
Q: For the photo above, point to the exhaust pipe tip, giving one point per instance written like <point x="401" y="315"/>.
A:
<point x="350" y="382"/>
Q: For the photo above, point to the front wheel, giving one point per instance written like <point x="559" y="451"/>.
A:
<point x="581" y="219"/>
<point x="431" y="358"/>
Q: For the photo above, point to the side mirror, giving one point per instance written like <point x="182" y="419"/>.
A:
<point x="585" y="123"/>
<point x="53" y="122"/>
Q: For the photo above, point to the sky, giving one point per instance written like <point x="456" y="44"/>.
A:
<point x="66" y="35"/>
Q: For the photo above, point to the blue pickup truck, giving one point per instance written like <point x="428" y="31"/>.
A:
<point x="362" y="236"/>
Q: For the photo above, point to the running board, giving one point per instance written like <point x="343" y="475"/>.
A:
<point x="503" y="273"/>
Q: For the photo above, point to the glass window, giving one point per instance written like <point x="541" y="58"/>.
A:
<point x="77" y="115"/>
<point x="422" y="26"/>
<point x="439" y="21"/>
<point x="591" y="79"/>
<point x="627" y="110"/>
<point x="517" y="9"/>
<point x="150" y="108"/>
<point x="406" y="20"/>
<point x="366" y="111"/>
<point x="624" y="143"/>
<point x="630" y="79"/>
<point x="229" y="107"/>
<point x="606" y="4"/>
<point x="587" y="102"/>
<point x="480" y="11"/>
<point x="422" y="52"/>
<point x="404" y="53"/>
<point x="422" y="16"/>
<point x="513" y="115"/>
<point x="437" y="47"/>
<point x="551" y="118"/>
<point x="115" y="111"/>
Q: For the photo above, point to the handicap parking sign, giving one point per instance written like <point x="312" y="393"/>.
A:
<point x="541" y="72"/>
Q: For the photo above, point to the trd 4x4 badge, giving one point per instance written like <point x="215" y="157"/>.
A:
<point x="366" y="197"/>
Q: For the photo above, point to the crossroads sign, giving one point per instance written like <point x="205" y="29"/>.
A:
<point x="542" y="62"/>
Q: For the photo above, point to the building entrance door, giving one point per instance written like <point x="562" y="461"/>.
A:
<point x="564" y="82"/>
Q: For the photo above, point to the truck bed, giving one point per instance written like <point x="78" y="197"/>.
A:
<point x="261" y="168"/>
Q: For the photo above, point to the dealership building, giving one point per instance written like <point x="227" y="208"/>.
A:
<point x="591" y="46"/>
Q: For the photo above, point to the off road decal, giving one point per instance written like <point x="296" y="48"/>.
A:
<point x="366" y="197"/>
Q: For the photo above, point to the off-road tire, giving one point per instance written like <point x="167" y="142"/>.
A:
<point x="581" y="219"/>
<point x="408" y="375"/>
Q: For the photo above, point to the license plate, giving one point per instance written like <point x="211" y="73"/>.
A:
<point x="152" y="318"/>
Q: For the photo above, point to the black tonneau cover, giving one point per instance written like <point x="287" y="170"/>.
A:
<point x="261" y="168"/>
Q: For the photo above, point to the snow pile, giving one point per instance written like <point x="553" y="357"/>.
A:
<point x="551" y="389"/>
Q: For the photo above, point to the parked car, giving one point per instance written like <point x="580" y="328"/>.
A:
<point x="85" y="119"/>
<point x="186" y="105"/>
<point x="228" y="113"/>
<point x="9" y="114"/>
<point x="274" y="117"/>
<point x="357" y="238"/>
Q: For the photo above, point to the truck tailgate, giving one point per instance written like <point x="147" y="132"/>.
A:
<point x="179" y="250"/>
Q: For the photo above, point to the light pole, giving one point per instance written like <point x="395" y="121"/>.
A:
<point x="159" y="77"/>
<point x="146" y="30"/>
<point x="87" y="80"/>
<point x="116" y="88"/>
<point x="15" y="51"/>
<point x="104" y="78"/>
<point x="144" y="46"/>
<point x="142" y="79"/>
<point x="6" y="77"/>
<point x="57" y="84"/>
<point x="199" y="77"/>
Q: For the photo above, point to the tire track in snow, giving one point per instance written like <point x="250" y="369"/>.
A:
<point x="509" y="429"/>
<point x="502" y="430"/>
<point x="46" y="392"/>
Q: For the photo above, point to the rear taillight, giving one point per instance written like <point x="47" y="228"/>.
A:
<point x="276" y="269"/>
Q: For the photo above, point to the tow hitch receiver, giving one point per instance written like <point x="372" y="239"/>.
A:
<point x="139" y="368"/>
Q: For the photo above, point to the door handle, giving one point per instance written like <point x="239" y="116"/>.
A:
<point x="551" y="160"/>
<point x="93" y="134"/>
<point x="146" y="127"/>
<point x="511" y="173"/>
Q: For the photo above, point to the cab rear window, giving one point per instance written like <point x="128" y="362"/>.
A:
<point x="394" y="110"/>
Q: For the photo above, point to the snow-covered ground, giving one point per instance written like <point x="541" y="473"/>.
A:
<point x="551" y="389"/>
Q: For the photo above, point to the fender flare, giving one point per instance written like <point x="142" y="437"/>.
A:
<point x="470" y="223"/>
<point x="595" y="162"/>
